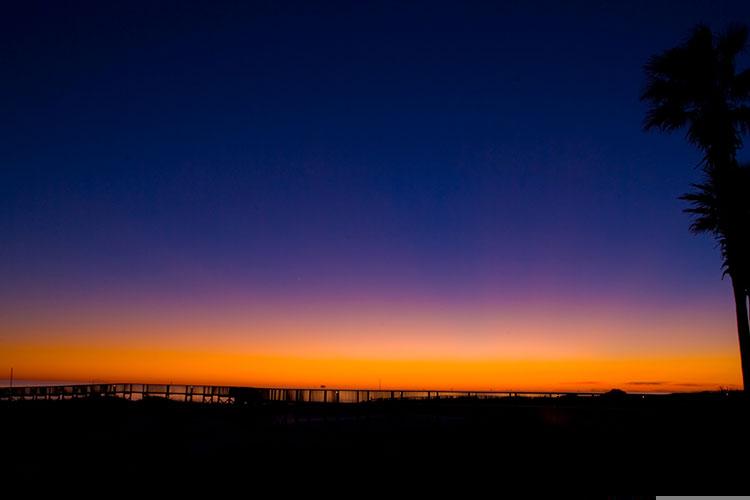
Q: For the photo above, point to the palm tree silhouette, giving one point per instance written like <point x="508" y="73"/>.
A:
<point x="696" y="86"/>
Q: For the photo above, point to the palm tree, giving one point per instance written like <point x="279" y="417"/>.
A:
<point x="696" y="86"/>
<point x="720" y="206"/>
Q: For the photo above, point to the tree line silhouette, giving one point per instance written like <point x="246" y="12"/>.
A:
<point x="696" y="86"/>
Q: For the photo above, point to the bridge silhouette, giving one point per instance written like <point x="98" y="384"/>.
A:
<point x="211" y="394"/>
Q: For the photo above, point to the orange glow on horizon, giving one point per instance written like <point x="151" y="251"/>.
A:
<point x="550" y="348"/>
<point x="109" y="364"/>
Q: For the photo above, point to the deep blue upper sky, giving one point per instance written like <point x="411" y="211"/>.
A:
<point x="459" y="150"/>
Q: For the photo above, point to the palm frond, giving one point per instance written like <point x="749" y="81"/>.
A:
<point x="696" y="86"/>
<point x="721" y="206"/>
<point x="667" y="117"/>
<point x="732" y="42"/>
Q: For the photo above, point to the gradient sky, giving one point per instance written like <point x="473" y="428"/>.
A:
<point x="415" y="194"/>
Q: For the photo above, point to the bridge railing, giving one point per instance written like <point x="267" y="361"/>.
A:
<point x="228" y="394"/>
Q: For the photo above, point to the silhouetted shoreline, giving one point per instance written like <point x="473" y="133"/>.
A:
<point x="683" y="441"/>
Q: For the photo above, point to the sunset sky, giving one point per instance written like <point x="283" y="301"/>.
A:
<point x="413" y="195"/>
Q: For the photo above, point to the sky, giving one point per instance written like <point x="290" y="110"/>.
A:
<point x="441" y="195"/>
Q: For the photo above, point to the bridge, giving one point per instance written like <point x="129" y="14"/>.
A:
<point x="210" y="394"/>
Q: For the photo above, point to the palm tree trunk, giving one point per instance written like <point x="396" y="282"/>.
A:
<point x="743" y="330"/>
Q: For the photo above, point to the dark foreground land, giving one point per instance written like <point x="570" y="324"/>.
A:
<point x="694" y="444"/>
